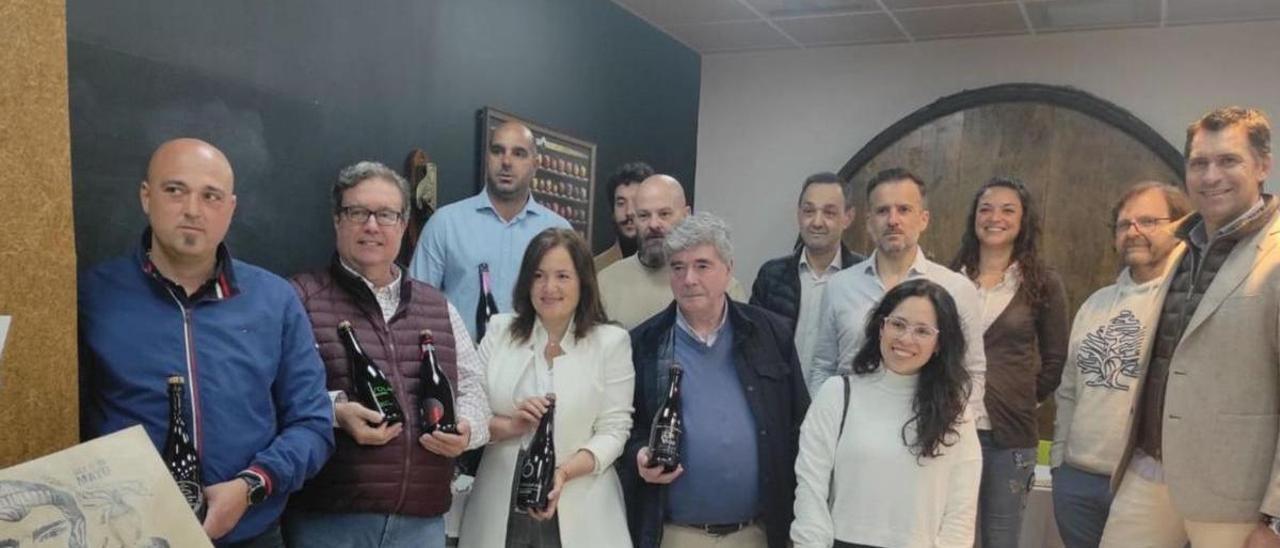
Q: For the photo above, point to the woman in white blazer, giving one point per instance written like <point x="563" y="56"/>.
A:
<point x="557" y="342"/>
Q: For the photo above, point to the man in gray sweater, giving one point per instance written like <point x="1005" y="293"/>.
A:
<point x="1110" y="342"/>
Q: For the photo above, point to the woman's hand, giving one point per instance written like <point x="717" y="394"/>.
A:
<point x="530" y="411"/>
<point x="561" y="478"/>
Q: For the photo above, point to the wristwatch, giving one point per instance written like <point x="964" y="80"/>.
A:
<point x="257" y="487"/>
<point x="1272" y="523"/>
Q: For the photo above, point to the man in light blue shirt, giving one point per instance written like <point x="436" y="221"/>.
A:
<point x="896" y="216"/>
<point x="492" y="227"/>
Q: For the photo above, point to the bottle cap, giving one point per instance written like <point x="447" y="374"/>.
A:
<point x="177" y="379"/>
<point x="344" y="324"/>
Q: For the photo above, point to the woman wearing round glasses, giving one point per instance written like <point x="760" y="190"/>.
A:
<point x="1025" y="328"/>
<point x="886" y="456"/>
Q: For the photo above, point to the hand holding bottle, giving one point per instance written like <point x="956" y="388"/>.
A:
<point x="446" y="444"/>
<point x="530" y="411"/>
<point x="227" y="503"/>
<point x="357" y="420"/>
<point x="653" y="473"/>
<point x="553" y="497"/>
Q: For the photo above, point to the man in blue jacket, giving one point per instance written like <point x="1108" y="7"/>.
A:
<point x="180" y="305"/>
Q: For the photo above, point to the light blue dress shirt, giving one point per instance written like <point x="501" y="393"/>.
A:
<point x="461" y="235"/>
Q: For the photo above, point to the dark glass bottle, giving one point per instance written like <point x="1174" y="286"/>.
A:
<point x="372" y="388"/>
<point x="668" y="425"/>
<point x="180" y="452"/>
<point x="435" y="393"/>
<point x="538" y="468"/>
<point x="486" y="306"/>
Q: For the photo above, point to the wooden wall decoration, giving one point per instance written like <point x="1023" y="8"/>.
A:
<point x="38" y="387"/>
<point x="1075" y="152"/>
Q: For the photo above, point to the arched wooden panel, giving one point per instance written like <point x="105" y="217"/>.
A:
<point x="1074" y="151"/>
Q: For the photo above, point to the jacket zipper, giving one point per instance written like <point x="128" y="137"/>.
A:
<point x="188" y="343"/>
<point x="408" y="413"/>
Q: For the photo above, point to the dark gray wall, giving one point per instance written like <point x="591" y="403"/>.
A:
<point x="293" y="90"/>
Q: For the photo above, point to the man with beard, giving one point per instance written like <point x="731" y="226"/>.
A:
<point x="896" y="216"/>
<point x="636" y="288"/>
<point x="1110" y="342"/>
<point x="622" y="192"/>
<point x="492" y="227"/>
<point x="793" y="285"/>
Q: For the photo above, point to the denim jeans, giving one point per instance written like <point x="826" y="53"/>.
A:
<point x="1006" y="481"/>
<point x="1081" y="501"/>
<point x="322" y="530"/>
<point x="268" y="539"/>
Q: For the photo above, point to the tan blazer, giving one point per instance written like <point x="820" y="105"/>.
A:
<point x="594" y="383"/>
<point x="1222" y="403"/>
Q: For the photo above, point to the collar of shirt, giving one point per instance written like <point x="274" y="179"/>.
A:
<point x="539" y="336"/>
<point x="1200" y="238"/>
<point x="222" y="285"/>
<point x="388" y="296"/>
<point x="710" y="339"/>
<point x="821" y="276"/>
<point x="918" y="267"/>
<point x="484" y="202"/>
<point x="1008" y="281"/>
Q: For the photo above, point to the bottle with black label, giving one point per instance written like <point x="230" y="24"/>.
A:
<point x="371" y="386"/>
<point x="668" y="424"/>
<point x="538" y="467"/>
<point x="486" y="306"/>
<point x="180" y="454"/>
<point x="435" y="392"/>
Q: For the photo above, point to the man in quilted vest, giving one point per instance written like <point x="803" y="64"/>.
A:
<point x="386" y="485"/>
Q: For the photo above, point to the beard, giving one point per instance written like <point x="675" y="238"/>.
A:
<point x="650" y="252"/>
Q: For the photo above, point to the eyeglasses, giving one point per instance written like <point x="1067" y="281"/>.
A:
<point x="1143" y="223"/>
<point x="360" y="215"/>
<point x="897" y="326"/>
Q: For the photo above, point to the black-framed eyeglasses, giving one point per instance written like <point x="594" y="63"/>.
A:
<point x="360" y="215"/>
<point x="1144" y="224"/>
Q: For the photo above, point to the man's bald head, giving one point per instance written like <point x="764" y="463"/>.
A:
<point x="189" y="197"/>
<point x="510" y="162"/>
<point x="659" y="205"/>
<point x="193" y="152"/>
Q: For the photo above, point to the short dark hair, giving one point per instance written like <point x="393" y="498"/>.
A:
<point x="827" y="178"/>
<point x="627" y="174"/>
<point x="943" y="388"/>
<point x="589" y="311"/>
<point x="895" y="174"/>
<point x="1177" y="200"/>
<point x="1254" y="121"/>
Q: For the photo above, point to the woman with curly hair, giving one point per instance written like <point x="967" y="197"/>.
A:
<point x="1025" y="328"/>
<point x="886" y="455"/>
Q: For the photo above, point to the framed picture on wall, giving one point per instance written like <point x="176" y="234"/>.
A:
<point x="565" y="177"/>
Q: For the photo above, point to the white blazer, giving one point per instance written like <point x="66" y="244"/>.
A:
<point x="594" y="383"/>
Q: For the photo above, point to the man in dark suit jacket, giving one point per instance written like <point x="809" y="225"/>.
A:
<point x="792" y="285"/>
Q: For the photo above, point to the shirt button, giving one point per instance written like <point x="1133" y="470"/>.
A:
<point x="751" y="388"/>
<point x="763" y="433"/>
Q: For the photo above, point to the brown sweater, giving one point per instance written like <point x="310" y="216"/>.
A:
<point x="1026" y="347"/>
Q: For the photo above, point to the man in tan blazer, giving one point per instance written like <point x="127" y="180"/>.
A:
<point x="1200" y="462"/>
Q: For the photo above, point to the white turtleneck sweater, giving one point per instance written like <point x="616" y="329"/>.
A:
<point x="884" y="495"/>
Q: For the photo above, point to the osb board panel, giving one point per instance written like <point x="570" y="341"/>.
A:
<point x="38" y="386"/>
<point x="1075" y="165"/>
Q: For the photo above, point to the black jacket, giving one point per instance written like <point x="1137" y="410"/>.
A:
<point x="777" y="286"/>
<point x="775" y="390"/>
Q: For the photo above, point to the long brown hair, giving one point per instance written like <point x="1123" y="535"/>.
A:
<point x="1025" y="246"/>
<point x="589" y="311"/>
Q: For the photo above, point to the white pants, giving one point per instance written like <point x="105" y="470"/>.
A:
<point x="1143" y="516"/>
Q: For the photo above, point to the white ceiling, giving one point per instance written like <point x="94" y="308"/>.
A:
<point x="710" y="26"/>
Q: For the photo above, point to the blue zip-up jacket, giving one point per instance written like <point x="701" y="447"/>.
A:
<point x="256" y="396"/>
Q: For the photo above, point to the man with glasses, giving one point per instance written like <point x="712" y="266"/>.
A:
<point x="896" y="216"/>
<point x="492" y="227"/>
<point x="1110" y="341"/>
<point x="386" y="485"/>
<point x="1200" y="460"/>
<point x="180" y="305"/>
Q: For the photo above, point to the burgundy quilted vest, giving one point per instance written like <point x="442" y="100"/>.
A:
<point x="400" y="477"/>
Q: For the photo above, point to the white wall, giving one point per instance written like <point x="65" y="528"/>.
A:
<point x="769" y="119"/>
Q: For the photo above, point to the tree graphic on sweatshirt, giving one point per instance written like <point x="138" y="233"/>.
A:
<point x="1110" y="355"/>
